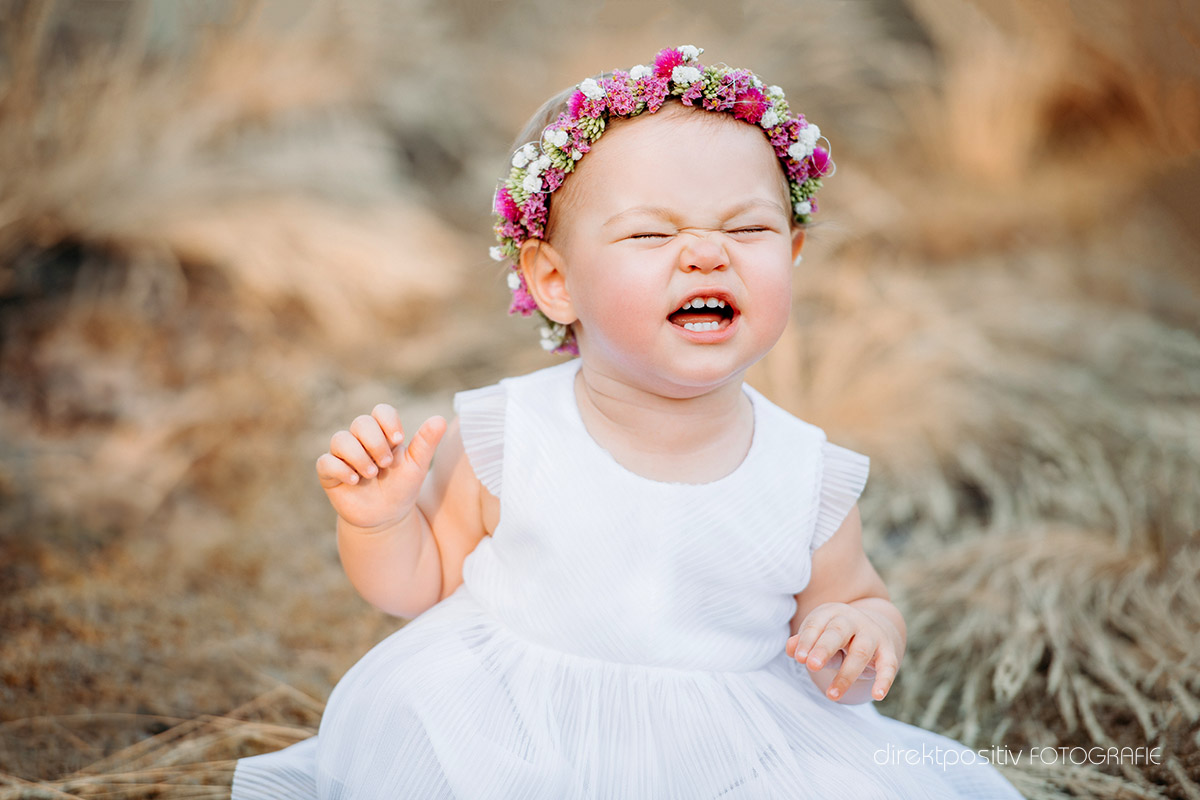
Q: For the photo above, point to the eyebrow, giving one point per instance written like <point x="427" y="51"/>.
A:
<point x="665" y="213"/>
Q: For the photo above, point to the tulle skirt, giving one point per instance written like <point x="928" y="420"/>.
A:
<point x="455" y="705"/>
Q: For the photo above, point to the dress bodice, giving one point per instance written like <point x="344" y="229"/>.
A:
<point x="593" y="559"/>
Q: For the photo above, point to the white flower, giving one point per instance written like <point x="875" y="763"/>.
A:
<point x="532" y="183"/>
<point x="591" y="90"/>
<point x="803" y="207"/>
<point x="497" y="253"/>
<point x="551" y="337"/>
<point x="775" y="92"/>
<point x="520" y="159"/>
<point x="756" y="82"/>
<point x="769" y="119"/>
<point x="541" y="164"/>
<point x="806" y="140"/>
<point x="639" y="72"/>
<point x="514" y="280"/>
<point x="557" y="137"/>
<point x="690" y="52"/>
<point x="685" y="76"/>
<point x="575" y="154"/>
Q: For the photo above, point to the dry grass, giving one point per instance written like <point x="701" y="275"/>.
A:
<point x="189" y="759"/>
<point x="208" y="262"/>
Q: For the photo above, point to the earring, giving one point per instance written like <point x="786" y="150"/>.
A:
<point x="799" y="258"/>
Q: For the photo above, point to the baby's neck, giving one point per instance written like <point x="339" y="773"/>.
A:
<point x="687" y="440"/>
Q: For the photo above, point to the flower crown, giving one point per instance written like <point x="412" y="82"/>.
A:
<point x="538" y="168"/>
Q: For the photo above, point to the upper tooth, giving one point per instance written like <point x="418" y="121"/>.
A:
<point x="711" y="302"/>
<point x="720" y="303"/>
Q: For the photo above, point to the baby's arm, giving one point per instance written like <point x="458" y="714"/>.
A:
<point x="845" y="606"/>
<point x="403" y="528"/>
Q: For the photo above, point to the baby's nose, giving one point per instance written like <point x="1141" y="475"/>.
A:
<point x="703" y="250"/>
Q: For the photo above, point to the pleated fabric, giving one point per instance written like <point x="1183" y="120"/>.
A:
<point x="618" y="637"/>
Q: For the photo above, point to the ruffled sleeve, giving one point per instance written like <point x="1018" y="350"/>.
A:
<point x="481" y="419"/>
<point x="843" y="477"/>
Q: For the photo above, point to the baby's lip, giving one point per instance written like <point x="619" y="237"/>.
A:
<point x="720" y="294"/>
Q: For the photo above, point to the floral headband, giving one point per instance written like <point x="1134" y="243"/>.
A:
<point x="538" y="168"/>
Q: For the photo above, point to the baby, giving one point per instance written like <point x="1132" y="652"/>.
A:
<point x="620" y="568"/>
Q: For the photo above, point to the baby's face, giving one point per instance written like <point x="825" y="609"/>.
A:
<point x="668" y="208"/>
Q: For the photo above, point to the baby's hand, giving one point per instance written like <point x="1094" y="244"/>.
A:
<point x="839" y="629"/>
<point x="371" y="482"/>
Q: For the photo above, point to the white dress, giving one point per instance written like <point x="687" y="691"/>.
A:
<point x="617" y="637"/>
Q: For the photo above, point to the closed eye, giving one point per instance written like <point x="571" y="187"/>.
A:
<point x="648" y="235"/>
<point x="751" y="229"/>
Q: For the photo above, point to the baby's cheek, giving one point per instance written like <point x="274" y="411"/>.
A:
<point x="622" y="316"/>
<point x="775" y="304"/>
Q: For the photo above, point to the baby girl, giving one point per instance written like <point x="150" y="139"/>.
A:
<point x="628" y="574"/>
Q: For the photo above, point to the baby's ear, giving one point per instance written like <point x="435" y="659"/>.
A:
<point x="547" y="280"/>
<point x="798" y="234"/>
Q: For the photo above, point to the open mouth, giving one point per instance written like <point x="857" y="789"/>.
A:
<point x="704" y="313"/>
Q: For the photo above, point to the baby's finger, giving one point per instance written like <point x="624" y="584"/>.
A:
<point x="389" y="422"/>
<point x="332" y="471"/>
<point x="858" y="655"/>
<point x="346" y="446"/>
<point x="367" y="430"/>
<point x="886" y="667"/>
<point x="835" y="636"/>
<point x="419" y="453"/>
<point x="810" y="630"/>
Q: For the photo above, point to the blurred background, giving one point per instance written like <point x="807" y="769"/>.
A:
<point x="227" y="228"/>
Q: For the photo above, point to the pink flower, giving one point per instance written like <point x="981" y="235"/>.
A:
<point x="726" y="92"/>
<point x="580" y="105"/>
<point x="653" y="91"/>
<point x="667" y="60"/>
<point x="535" y="215"/>
<point x="512" y="230"/>
<point x="784" y="135"/>
<point x="750" y="105"/>
<point x="553" y="178"/>
<point x="569" y="347"/>
<point x="575" y="104"/>
<point x="522" y="302"/>
<point x="580" y="141"/>
<point x="743" y="80"/>
<point x="506" y="207"/>
<point x="620" y="95"/>
<point x="693" y="92"/>
<point x="820" y="160"/>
